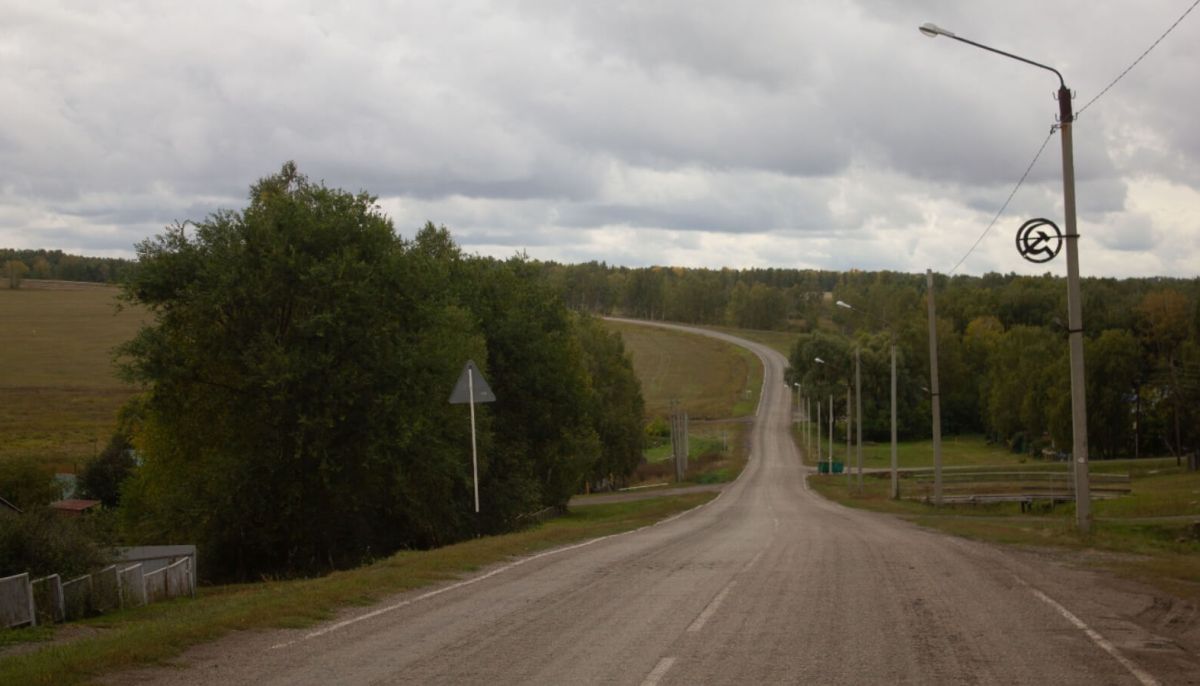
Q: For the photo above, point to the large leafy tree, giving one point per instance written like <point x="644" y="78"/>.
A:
<point x="297" y="373"/>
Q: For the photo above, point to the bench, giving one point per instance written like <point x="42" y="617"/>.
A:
<point x="1024" y="487"/>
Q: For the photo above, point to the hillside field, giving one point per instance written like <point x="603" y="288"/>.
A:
<point x="59" y="391"/>
<point x="710" y="378"/>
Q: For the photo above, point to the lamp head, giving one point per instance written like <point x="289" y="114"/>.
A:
<point x="843" y="303"/>
<point x="818" y="360"/>
<point x="933" y="30"/>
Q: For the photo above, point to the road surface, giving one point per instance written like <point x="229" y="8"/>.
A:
<point x="768" y="584"/>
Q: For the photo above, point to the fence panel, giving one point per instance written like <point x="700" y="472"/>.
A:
<point x="133" y="586"/>
<point x="77" y="597"/>
<point x="178" y="579"/>
<point x="106" y="590"/>
<point x="156" y="585"/>
<point x="48" y="599"/>
<point x="16" y="601"/>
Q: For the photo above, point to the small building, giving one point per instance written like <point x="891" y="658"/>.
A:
<point x="74" y="507"/>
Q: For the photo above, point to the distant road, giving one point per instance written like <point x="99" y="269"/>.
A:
<point x="768" y="584"/>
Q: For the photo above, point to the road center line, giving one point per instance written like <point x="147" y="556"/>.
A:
<point x="1141" y="675"/>
<point x="658" y="672"/>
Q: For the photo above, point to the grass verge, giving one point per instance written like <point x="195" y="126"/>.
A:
<point x="156" y="633"/>
<point x="1151" y="536"/>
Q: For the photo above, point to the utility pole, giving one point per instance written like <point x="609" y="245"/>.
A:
<point x="858" y="404"/>
<point x="933" y="392"/>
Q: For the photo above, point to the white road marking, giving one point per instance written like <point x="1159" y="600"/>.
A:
<point x="474" y="580"/>
<point x="1141" y="675"/>
<point x="658" y="672"/>
<point x="708" y="612"/>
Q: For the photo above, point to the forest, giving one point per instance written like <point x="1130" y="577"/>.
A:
<point x="1002" y="346"/>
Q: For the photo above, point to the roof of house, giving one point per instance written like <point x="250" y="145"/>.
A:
<point x="74" y="504"/>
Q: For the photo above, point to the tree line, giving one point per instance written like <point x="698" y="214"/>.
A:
<point x="1002" y="343"/>
<point x="297" y="377"/>
<point x="16" y="265"/>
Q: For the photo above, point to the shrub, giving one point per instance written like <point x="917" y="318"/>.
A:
<point x="42" y="542"/>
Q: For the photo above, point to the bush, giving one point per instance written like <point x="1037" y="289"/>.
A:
<point x="102" y="476"/>
<point x="27" y="484"/>
<point x="43" y="542"/>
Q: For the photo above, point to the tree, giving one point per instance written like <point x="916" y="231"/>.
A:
<point x="1164" y="318"/>
<point x="615" y="402"/>
<point x="297" y="372"/>
<point x="1112" y="380"/>
<point x="15" y="270"/>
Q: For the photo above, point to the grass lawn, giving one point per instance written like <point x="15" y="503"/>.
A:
<point x="710" y="378"/>
<point x="59" y="393"/>
<point x="156" y="633"/>
<point x="1163" y="552"/>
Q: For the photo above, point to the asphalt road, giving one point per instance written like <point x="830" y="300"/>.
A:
<point x="768" y="584"/>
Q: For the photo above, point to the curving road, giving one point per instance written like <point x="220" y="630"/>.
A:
<point x="768" y="584"/>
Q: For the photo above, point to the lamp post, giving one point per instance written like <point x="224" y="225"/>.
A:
<point x="1083" y="515"/>
<point x="820" y="361"/>
<point x="892" y="345"/>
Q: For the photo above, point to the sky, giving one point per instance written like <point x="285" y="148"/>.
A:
<point x="787" y="134"/>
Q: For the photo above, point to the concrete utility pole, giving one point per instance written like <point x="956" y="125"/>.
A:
<point x="818" y="451"/>
<point x="933" y="392"/>
<point x="858" y="404"/>
<point x="831" y="433"/>
<point x="849" y="432"/>
<point x="1079" y="438"/>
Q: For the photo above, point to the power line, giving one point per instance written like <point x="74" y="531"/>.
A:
<point x="1140" y="57"/>
<point x="1006" y="202"/>
<point x="1052" y="130"/>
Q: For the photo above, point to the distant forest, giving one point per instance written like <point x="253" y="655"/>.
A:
<point x="55" y="264"/>
<point x="1002" y="342"/>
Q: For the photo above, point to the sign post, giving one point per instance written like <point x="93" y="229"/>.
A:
<point x="472" y="388"/>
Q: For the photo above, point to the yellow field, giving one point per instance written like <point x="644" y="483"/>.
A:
<point x="59" y="392"/>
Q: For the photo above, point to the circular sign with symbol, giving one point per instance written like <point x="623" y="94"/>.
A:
<point x="1039" y="240"/>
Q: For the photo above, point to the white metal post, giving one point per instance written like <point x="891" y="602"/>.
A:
<point x="474" y="452"/>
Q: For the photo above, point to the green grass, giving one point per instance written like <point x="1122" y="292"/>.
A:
<point x="710" y="378"/>
<point x="779" y="341"/>
<point x="1162" y="552"/>
<point x="59" y="393"/>
<point x="157" y="633"/>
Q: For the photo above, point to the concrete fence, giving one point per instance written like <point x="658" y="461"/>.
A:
<point x="16" y="602"/>
<point x="106" y="590"/>
<point x="77" y="597"/>
<point x="132" y="582"/>
<point x="50" y="599"/>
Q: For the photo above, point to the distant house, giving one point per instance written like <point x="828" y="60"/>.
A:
<point x="74" y="507"/>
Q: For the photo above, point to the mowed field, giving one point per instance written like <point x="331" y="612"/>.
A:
<point x="711" y="379"/>
<point x="59" y="391"/>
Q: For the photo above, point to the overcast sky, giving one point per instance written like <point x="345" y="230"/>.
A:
<point x="767" y="134"/>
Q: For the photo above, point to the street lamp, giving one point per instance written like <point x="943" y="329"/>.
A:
<point x="820" y="361"/>
<point x="895" y="466"/>
<point x="1083" y="515"/>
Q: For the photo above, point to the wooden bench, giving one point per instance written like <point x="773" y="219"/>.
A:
<point x="1024" y="487"/>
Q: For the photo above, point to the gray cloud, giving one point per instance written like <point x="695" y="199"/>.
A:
<point x="699" y="131"/>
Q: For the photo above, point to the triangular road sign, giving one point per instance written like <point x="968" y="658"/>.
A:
<point x="469" y="380"/>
